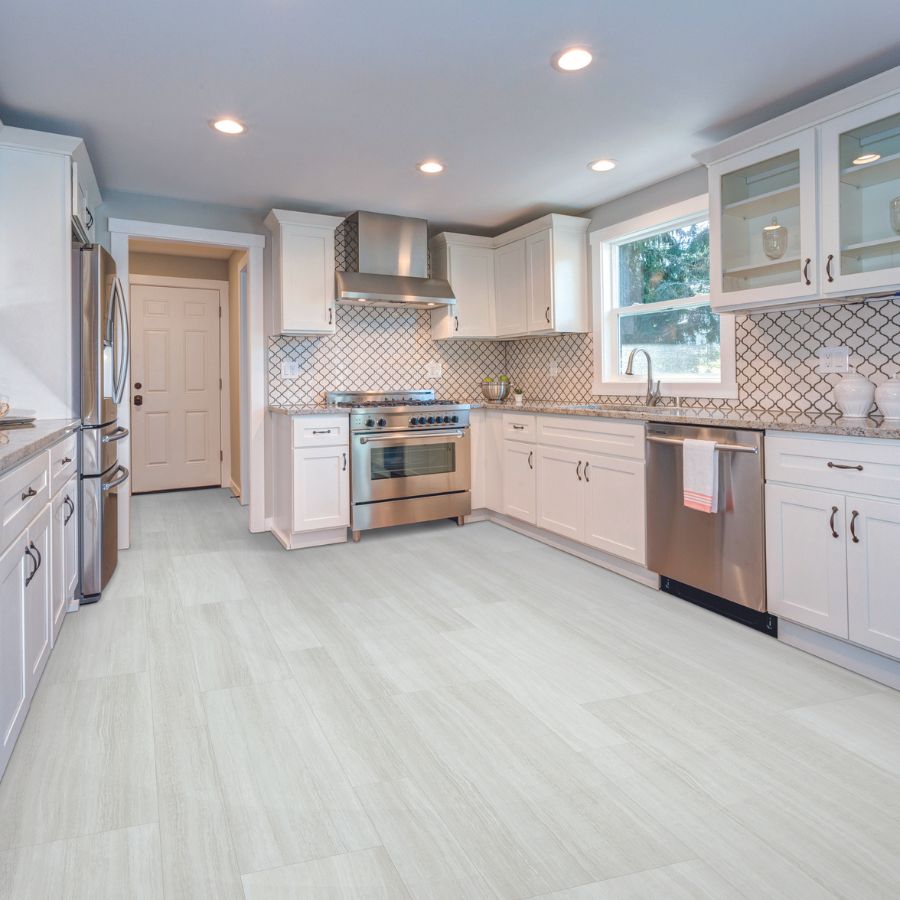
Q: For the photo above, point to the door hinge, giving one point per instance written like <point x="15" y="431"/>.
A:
<point x="220" y="384"/>
<point x="220" y="312"/>
<point x="221" y="456"/>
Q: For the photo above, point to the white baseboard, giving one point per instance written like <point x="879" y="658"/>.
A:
<point x="300" y="540"/>
<point x="624" y="567"/>
<point x="842" y="653"/>
<point x="235" y="490"/>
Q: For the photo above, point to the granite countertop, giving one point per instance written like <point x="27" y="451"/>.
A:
<point x="770" y="420"/>
<point x="309" y="409"/>
<point x="17" y="444"/>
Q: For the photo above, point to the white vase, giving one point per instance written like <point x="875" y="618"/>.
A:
<point x="887" y="396"/>
<point x="853" y="396"/>
<point x="520" y="399"/>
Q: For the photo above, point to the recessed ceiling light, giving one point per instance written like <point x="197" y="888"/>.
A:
<point x="430" y="167"/>
<point x="602" y="165"/>
<point x="866" y="158"/>
<point x="228" y="126"/>
<point x="573" y="59"/>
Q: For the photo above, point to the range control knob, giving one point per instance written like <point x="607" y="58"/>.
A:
<point x="454" y="418"/>
<point x="413" y="421"/>
<point x="446" y="419"/>
<point x="421" y="420"/>
<point x="370" y="423"/>
<point x="431" y="420"/>
<point x="382" y="423"/>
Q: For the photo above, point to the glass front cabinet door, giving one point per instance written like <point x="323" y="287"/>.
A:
<point x="762" y="207"/>
<point x="860" y="194"/>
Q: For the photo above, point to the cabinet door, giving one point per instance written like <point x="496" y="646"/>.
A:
<point x="307" y="280"/>
<point x="321" y="488"/>
<point x="873" y="574"/>
<point x="762" y="207"/>
<point x="519" y="480"/>
<point x="471" y="275"/>
<point x="13" y="685"/>
<point x="510" y="288"/>
<point x="860" y="183"/>
<point x="806" y="557"/>
<point x="560" y="491"/>
<point x="39" y="580"/>
<point x="64" y="555"/>
<point x="615" y="516"/>
<point x="70" y="529"/>
<point x="539" y="279"/>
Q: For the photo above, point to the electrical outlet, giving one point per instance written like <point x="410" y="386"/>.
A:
<point x="290" y="370"/>
<point x="434" y="370"/>
<point x="833" y="359"/>
<point x="553" y="368"/>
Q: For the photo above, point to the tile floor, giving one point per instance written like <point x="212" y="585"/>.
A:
<point x="433" y="713"/>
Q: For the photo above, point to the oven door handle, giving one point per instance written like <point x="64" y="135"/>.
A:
<point x="414" y="436"/>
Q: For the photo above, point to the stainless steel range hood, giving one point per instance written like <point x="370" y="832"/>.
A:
<point x="388" y="264"/>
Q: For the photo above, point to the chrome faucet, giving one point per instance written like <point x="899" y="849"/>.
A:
<point x="653" y="395"/>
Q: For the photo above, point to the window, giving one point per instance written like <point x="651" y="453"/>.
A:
<point x="651" y="291"/>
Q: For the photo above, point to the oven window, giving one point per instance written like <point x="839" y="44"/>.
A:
<point x="405" y="461"/>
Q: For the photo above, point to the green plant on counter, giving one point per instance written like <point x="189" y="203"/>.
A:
<point x="518" y="390"/>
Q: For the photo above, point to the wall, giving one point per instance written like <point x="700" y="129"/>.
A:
<point x="234" y="265"/>
<point x="169" y="266"/>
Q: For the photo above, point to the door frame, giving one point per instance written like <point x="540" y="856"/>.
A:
<point x="224" y="361"/>
<point x="253" y="344"/>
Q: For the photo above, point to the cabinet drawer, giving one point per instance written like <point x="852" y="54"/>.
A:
<point x="518" y="427"/>
<point x="849" y="465"/>
<point x="321" y="431"/>
<point x="62" y="462"/>
<point x="593" y="435"/>
<point x="23" y="492"/>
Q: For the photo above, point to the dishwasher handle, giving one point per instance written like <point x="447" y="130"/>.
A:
<point x="727" y="448"/>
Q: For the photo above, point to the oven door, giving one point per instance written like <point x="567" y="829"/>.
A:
<point x="410" y="464"/>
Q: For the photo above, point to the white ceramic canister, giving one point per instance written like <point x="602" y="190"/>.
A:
<point x="887" y="396"/>
<point x="853" y="395"/>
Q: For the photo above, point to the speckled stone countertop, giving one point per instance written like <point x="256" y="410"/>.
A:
<point x="775" y="420"/>
<point x="308" y="410"/>
<point x="17" y="444"/>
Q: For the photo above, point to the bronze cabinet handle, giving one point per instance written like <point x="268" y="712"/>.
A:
<point x="344" y="469"/>
<point x="531" y="459"/>
<point x="547" y="315"/>
<point x="806" y="270"/>
<point x="853" y="519"/>
<point x="578" y="470"/>
<point x="65" y="460"/>
<point x="34" y="562"/>
<point x="834" y="465"/>
<point x="71" y="506"/>
<point x="834" y="510"/>
<point x="828" y="267"/>
<point x="456" y="323"/>
<point x="587" y="466"/>
<point x="31" y="492"/>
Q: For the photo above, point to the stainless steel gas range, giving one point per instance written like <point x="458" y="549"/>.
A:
<point x="410" y="458"/>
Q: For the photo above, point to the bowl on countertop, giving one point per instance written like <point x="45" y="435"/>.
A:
<point x="495" y="391"/>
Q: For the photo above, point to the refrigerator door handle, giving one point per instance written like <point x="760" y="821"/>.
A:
<point x="117" y="435"/>
<point x="109" y="485"/>
<point x="122" y="374"/>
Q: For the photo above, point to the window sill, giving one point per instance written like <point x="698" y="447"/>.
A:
<point x="716" y="390"/>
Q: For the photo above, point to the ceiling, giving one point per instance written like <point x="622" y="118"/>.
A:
<point x="344" y="97"/>
<point x="178" y="248"/>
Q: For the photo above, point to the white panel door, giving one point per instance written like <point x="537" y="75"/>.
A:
<point x="321" y="488"/>
<point x="873" y="573"/>
<point x="519" y="482"/>
<point x="615" y="509"/>
<point x="560" y="491"/>
<point x="510" y="289"/>
<point x="38" y="582"/>
<point x="806" y="557"/>
<point x="176" y="437"/>
<point x="13" y="697"/>
<point x="539" y="277"/>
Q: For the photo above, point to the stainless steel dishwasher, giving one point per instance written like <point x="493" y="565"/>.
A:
<point x="716" y="560"/>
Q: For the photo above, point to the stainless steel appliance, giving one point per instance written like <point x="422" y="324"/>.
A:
<point x="101" y="373"/>
<point x="410" y="458"/>
<point x="716" y="560"/>
<point x="389" y="256"/>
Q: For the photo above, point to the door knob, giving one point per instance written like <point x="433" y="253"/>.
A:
<point x="138" y="400"/>
<point x="137" y="385"/>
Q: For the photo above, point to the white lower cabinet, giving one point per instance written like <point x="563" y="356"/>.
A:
<point x="561" y="498"/>
<point x="615" y="506"/>
<point x="519" y="481"/>
<point x="321" y="488"/>
<point x="833" y="555"/>
<point x="64" y="553"/>
<point x="13" y="684"/>
<point x="38" y="584"/>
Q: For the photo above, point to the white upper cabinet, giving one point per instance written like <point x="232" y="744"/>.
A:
<point x="762" y="207"/>
<point x="468" y="264"/>
<point x="303" y="262"/>
<point x="537" y="283"/>
<point x="860" y="184"/>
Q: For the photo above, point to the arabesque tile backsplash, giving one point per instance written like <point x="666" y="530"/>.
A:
<point x="776" y="358"/>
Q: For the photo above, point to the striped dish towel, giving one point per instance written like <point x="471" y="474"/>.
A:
<point x="700" y="470"/>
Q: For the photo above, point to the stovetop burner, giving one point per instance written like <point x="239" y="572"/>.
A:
<point x="393" y="410"/>
<point x="390" y="404"/>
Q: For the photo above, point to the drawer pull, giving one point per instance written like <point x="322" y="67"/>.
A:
<point x="322" y="431"/>
<point x="31" y="492"/>
<point x="834" y="510"/>
<point x="65" y="460"/>
<point x="853" y="519"/>
<point x="519" y="427"/>
<point x="834" y="465"/>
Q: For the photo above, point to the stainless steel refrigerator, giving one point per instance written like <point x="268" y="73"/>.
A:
<point x="101" y="373"/>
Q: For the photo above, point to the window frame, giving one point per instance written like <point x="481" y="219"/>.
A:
<point x="606" y="313"/>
